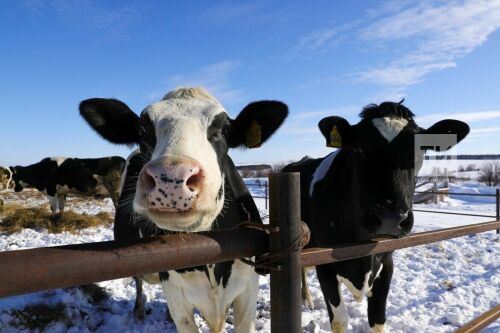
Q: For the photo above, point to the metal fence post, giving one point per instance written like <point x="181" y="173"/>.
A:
<point x="266" y="184"/>
<point x="498" y="207"/>
<point x="286" y="307"/>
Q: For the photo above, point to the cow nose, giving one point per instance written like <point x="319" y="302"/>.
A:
<point x="171" y="187"/>
<point x="391" y="217"/>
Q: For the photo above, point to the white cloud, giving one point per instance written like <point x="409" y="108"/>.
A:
<point x="223" y="12"/>
<point x="214" y="77"/>
<point x="468" y="117"/>
<point x="484" y="131"/>
<point x="90" y="15"/>
<point x="435" y="34"/>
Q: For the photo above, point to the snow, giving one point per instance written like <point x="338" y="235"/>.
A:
<point x="435" y="288"/>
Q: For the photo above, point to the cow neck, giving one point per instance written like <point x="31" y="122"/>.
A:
<point x="35" y="174"/>
<point x="239" y="205"/>
<point x="340" y="179"/>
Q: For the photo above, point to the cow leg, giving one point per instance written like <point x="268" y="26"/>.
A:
<point x="53" y="204"/>
<point x="378" y="298"/>
<point x="306" y="295"/>
<point x="140" y="299"/>
<point x="180" y="309"/>
<point x="245" y="307"/>
<point x="330" y="287"/>
<point x="61" y="201"/>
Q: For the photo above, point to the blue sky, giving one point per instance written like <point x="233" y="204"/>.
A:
<point x="322" y="58"/>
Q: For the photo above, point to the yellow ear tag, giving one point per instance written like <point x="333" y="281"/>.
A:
<point x="254" y="135"/>
<point x="335" y="138"/>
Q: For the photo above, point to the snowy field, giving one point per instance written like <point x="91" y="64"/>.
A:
<point x="436" y="287"/>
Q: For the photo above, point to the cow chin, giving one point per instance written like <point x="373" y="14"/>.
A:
<point x="404" y="229"/>
<point x="193" y="220"/>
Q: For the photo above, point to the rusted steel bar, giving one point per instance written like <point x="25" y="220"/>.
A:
<point x="451" y="213"/>
<point x="320" y="256"/>
<point x="477" y="324"/>
<point x="286" y="303"/>
<point x="26" y="271"/>
<point x="450" y="193"/>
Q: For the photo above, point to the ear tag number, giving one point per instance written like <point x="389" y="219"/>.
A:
<point x="335" y="138"/>
<point x="254" y="135"/>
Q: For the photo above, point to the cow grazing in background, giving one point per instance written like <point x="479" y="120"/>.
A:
<point x="60" y="176"/>
<point x="184" y="181"/>
<point x="6" y="182"/>
<point x="360" y="192"/>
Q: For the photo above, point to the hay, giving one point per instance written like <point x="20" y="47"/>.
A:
<point x="38" y="316"/>
<point x="15" y="218"/>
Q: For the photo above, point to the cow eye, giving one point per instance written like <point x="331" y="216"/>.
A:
<point x="141" y="130"/>
<point x="225" y="131"/>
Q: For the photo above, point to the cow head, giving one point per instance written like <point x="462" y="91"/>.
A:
<point x="184" y="141"/>
<point x="384" y="162"/>
<point x="19" y="184"/>
<point x="6" y="178"/>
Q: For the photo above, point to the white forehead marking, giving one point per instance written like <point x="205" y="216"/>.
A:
<point x="186" y="102"/>
<point x="322" y="169"/>
<point x="58" y="160"/>
<point x="389" y="127"/>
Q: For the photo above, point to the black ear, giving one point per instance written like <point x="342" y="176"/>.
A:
<point x="449" y="126"/>
<point x="337" y="132"/>
<point x="111" y="119"/>
<point x="256" y="123"/>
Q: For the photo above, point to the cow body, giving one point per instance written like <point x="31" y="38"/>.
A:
<point x="182" y="180"/>
<point x="361" y="192"/>
<point x="60" y="176"/>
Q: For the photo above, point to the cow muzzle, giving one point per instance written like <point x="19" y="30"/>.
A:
<point x="393" y="223"/>
<point x="171" y="185"/>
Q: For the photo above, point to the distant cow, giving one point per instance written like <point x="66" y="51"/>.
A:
<point x="59" y="176"/>
<point x="184" y="181"/>
<point x="6" y="179"/>
<point x="360" y="192"/>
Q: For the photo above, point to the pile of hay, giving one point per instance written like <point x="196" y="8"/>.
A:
<point x="14" y="218"/>
<point x="38" y="316"/>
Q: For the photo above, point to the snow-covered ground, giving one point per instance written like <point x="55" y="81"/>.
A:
<point x="435" y="288"/>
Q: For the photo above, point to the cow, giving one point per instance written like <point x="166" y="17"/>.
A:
<point x="6" y="182"/>
<point x="183" y="180"/>
<point x="60" y="176"/>
<point x="360" y="192"/>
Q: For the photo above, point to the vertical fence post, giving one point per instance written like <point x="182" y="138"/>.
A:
<point x="266" y="186"/>
<point x="498" y="207"/>
<point x="286" y="307"/>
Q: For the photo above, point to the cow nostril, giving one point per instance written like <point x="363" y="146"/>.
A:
<point x="148" y="181"/>
<point x="194" y="179"/>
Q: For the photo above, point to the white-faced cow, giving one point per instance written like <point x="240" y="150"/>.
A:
<point x="60" y="176"/>
<point x="184" y="181"/>
<point x="360" y="192"/>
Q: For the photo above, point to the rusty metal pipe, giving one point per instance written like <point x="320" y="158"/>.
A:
<point x="320" y="256"/>
<point x="31" y="270"/>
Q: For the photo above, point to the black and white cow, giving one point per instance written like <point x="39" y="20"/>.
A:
<point x="360" y="192"/>
<point x="6" y="182"/>
<point x="183" y="180"/>
<point x="60" y="176"/>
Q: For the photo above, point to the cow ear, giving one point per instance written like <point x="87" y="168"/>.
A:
<point x="449" y="126"/>
<point x="111" y="119"/>
<point x="337" y="132"/>
<point x="256" y="123"/>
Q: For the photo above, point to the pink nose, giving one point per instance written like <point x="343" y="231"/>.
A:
<point x="171" y="187"/>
